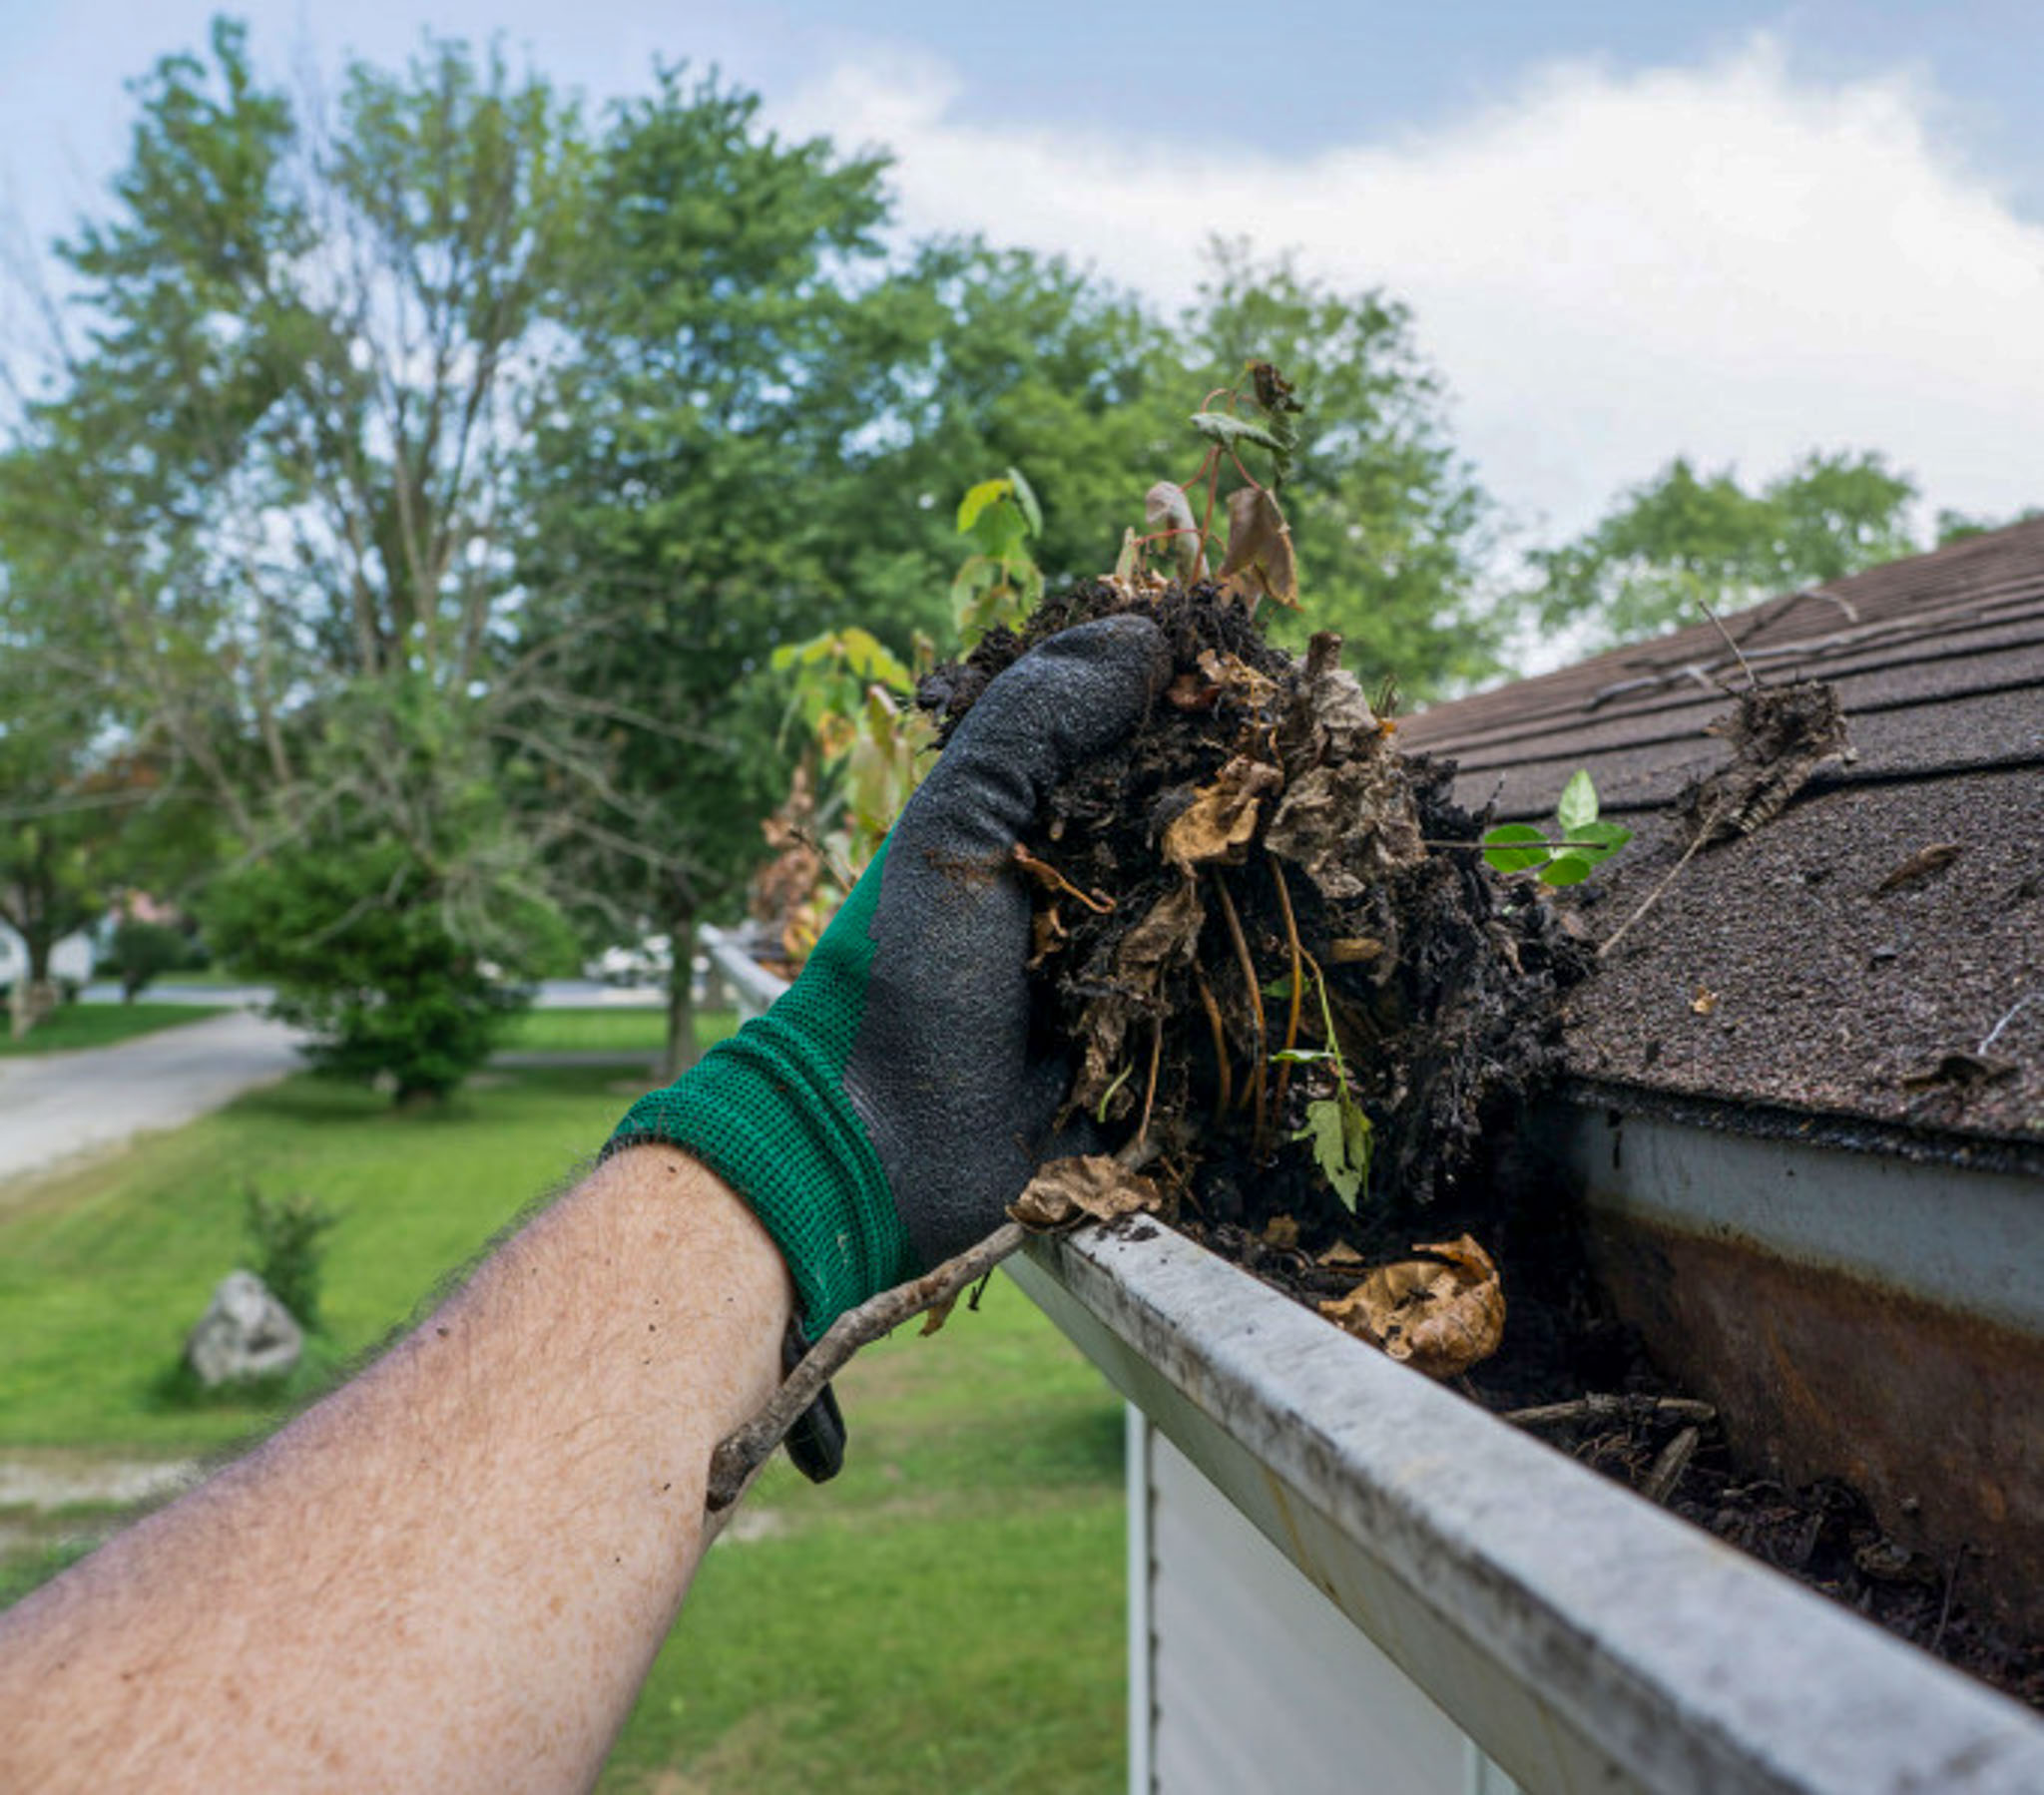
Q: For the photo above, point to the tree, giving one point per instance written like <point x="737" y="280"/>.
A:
<point x="689" y="492"/>
<point x="290" y="442"/>
<point x="1684" y="539"/>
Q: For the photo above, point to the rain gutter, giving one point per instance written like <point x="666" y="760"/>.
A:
<point x="1584" y="1639"/>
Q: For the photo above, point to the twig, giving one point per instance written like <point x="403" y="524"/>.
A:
<point x="1654" y="897"/>
<point x="1150" y="1085"/>
<point x="1739" y="653"/>
<point x="1254" y="1094"/>
<point x="2016" y="1009"/>
<point x="1670" y="1465"/>
<point x="1951" y="1584"/>
<point x="735" y="1460"/>
<point x="1298" y="983"/>
<point x="1612" y="1408"/>
<point x="1226" y="1089"/>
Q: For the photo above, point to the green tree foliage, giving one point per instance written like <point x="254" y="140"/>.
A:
<point x="1388" y="522"/>
<point x="290" y="442"/>
<point x="1686" y="539"/>
<point x="690" y="501"/>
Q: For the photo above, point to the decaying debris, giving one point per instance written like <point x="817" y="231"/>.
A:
<point x="1285" y="920"/>
<point x="1920" y="865"/>
<point x="1780" y="735"/>
<point x="1085" y="1187"/>
<point x="1440" y="1314"/>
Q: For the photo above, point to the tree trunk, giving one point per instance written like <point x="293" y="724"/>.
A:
<point x="34" y="996"/>
<point x="681" y="1005"/>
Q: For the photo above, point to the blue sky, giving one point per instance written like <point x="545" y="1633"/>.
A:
<point x="1736" y="230"/>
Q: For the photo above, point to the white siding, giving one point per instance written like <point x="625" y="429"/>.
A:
<point x="1253" y="1679"/>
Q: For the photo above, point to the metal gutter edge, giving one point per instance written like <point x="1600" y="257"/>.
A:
<point x="1586" y="1639"/>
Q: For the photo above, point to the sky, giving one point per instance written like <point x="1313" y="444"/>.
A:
<point x="1730" y="230"/>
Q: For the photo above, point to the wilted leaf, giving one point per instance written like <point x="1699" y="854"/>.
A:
<point x="1343" y="1141"/>
<point x="1280" y="1232"/>
<point x="1130" y="559"/>
<point x="1340" y="1253"/>
<point x="1087" y="1186"/>
<point x="1260" y="562"/>
<point x="1439" y="1315"/>
<point x="1232" y="432"/>
<point x="1164" y="509"/>
<point x="1217" y="823"/>
<point x="1273" y="392"/>
<point x="1240" y="681"/>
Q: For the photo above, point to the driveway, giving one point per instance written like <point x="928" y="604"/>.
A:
<point x="54" y="1107"/>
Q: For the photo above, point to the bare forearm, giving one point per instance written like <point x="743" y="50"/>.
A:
<point x="454" y="1573"/>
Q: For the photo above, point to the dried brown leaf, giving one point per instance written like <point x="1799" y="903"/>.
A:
<point x="1440" y="1315"/>
<point x="1087" y="1186"/>
<point x="1282" y="1232"/>
<point x="1260" y="562"/>
<point x="1340" y="1253"/>
<point x="1164" y="509"/>
<point x="1218" y="824"/>
<point x="1920" y="865"/>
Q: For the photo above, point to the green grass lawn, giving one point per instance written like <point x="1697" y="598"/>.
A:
<point x="101" y="1025"/>
<point x="948" y="1613"/>
<point x="623" y="1029"/>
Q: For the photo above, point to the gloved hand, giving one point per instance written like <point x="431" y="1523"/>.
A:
<point x="880" y="1117"/>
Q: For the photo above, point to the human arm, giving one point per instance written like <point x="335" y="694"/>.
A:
<point x="452" y="1574"/>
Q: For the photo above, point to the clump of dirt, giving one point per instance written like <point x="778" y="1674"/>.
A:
<point x="1271" y="941"/>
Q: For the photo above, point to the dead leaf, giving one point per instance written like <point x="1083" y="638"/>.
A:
<point x="1920" y="865"/>
<point x="1353" y="950"/>
<point x="1780" y="735"/>
<point x="1282" y="1232"/>
<point x="1218" y="824"/>
<point x="1439" y="1315"/>
<point x="1340" y="1253"/>
<point x="1047" y="935"/>
<point x="1348" y="825"/>
<point x="1260" y="562"/>
<point x="1161" y="939"/>
<point x="1189" y="692"/>
<point x="1239" y="680"/>
<point x="1087" y="1186"/>
<point x="1164" y="509"/>
<point x="1704" y="1002"/>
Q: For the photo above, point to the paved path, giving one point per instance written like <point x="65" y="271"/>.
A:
<point x="54" y="1107"/>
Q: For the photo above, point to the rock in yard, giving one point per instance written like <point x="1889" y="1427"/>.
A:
<point x="246" y="1333"/>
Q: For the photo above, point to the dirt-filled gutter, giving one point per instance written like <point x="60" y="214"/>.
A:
<point x="1583" y="1637"/>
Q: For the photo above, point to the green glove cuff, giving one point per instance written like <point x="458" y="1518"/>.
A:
<point x="766" y="1110"/>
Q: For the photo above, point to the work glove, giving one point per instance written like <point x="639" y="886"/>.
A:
<point x="880" y="1117"/>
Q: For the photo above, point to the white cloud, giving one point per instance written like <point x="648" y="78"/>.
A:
<point x="1610" y="268"/>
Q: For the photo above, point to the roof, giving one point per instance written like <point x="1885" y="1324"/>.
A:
<point x="1787" y="972"/>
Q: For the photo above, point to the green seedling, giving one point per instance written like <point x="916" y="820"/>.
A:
<point x="1579" y="843"/>
<point x="1338" y="1126"/>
